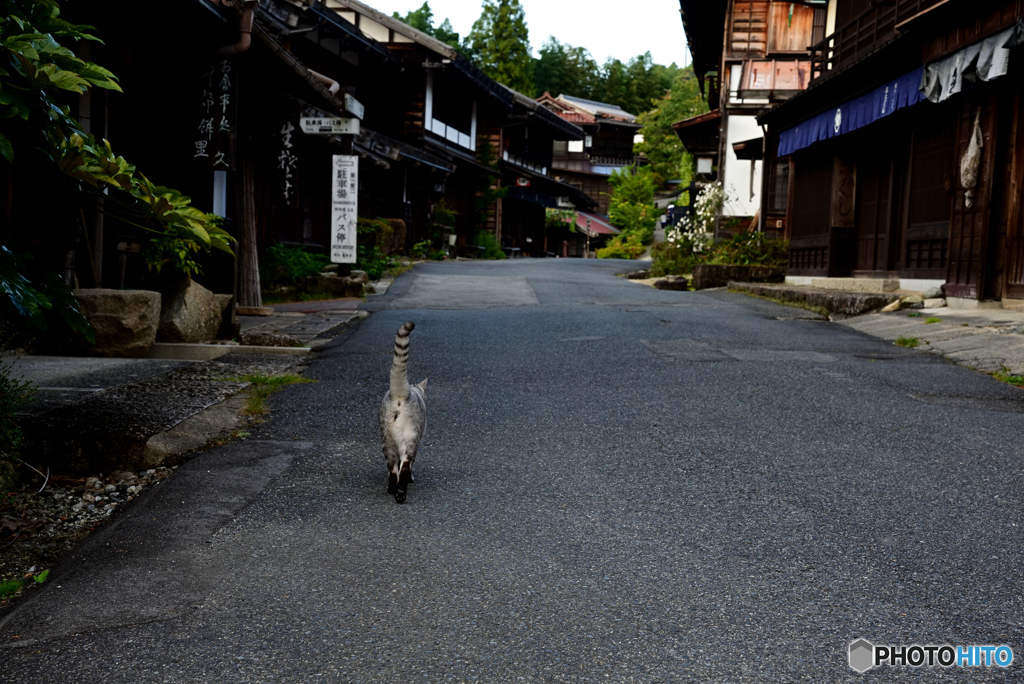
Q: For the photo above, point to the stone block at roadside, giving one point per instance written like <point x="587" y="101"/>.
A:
<point x="125" y="321"/>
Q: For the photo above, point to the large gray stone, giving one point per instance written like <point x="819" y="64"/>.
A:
<point x="125" y="321"/>
<point x="190" y="313"/>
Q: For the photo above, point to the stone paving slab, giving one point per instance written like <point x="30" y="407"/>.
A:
<point x="986" y="339"/>
<point x="109" y="429"/>
<point x="836" y="303"/>
<point x="306" y="326"/>
<point x="983" y="338"/>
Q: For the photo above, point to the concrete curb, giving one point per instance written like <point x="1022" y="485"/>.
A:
<point x="832" y="302"/>
<point x="180" y="351"/>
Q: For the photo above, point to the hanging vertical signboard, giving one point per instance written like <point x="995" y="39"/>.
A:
<point x="214" y="136"/>
<point x="287" y="163"/>
<point x="344" y="205"/>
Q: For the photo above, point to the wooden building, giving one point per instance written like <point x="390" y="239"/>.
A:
<point x="446" y="130"/>
<point x="748" y="56"/>
<point x="227" y="120"/>
<point x="905" y="156"/>
<point x="609" y="135"/>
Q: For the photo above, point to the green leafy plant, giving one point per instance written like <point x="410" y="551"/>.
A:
<point x="913" y="314"/>
<point x="661" y="146"/>
<point x="443" y="215"/>
<point x="284" y="265"/>
<point x="178" y="230"/>
<point x="39" y="302"/>
<point x="492" y="250"/>
<point x="560" y="218"/>
<point x="748" y="248"/>
<point x="932" y="319"/>
<point x="909" y="342"/>
<point x="9" y="588"/>
<point x="421" y="250"/>
<point x="672" y="258"/>
<point x="623" y="246"/>
<point x="426" y="250"/>
<point x="369" y="257"/>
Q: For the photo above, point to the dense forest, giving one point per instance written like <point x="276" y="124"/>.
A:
<point x="499" y="44"/>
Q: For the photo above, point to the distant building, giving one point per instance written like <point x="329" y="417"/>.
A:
<point x="610" y="133"/>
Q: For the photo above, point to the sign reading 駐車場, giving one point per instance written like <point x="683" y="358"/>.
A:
<point x="344" y="207"/>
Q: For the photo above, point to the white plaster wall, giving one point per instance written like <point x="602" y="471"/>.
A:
<point x="736" y="176"/>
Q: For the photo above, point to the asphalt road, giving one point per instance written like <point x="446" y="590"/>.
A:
<point x="617" y="484"/>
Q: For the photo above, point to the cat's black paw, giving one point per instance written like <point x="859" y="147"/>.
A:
<point x="399" y="497"/>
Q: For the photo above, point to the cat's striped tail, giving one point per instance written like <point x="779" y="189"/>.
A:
<point x="400" y="366"/>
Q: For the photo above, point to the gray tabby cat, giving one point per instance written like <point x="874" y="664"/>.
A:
<point x="403" y="418"/>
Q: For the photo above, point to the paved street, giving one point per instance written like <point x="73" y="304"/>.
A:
<point x="617" y="484"/>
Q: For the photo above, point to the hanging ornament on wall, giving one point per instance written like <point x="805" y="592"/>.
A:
<point x="971" y="162"/>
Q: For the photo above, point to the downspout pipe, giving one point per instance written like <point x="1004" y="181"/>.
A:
<point x="331" y="84"/>
<point x="244" y="38"/>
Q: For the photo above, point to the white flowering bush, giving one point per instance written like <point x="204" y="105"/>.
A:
<point x="698" y="229"/>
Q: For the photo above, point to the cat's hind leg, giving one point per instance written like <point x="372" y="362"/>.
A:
<point x="404" y="478"/>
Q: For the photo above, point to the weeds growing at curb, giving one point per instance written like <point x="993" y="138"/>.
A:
<point x="261" y="386"/>
<point x="909" y="342"/>
<point x="913" y="314"/>
<point x="10" y="588"/>
<point x="932" y="319"/>
<point x="1004" y="375"/>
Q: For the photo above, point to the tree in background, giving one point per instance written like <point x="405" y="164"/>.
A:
<point x="631" y="208"/>
<point x="564" y="69"/>
<point x="635" y="86"/>
<point x="669" y="159"/>
<point x="499" y="43"/>
<point x="422" y="19"/>
<point x="631" y="204"/>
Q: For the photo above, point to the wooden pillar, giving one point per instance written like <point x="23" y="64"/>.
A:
<point x="248" y="261"/>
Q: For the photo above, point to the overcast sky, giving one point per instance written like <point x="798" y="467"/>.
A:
<point x="620" y="30"/>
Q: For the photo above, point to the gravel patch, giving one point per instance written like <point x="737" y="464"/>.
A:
<point x="39" y="527"/>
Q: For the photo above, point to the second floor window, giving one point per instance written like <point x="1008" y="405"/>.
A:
<point x="790" y="26"/>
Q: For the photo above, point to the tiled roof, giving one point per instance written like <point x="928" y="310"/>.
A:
<point x="577" y="117"/>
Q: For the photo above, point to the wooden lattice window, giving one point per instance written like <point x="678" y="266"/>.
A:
<point x="778" y="186"/>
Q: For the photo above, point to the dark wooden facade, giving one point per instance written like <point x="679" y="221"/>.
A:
<point x="912" y="217"/>
<point x="433" y="125"/>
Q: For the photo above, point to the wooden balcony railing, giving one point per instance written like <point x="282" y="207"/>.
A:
<point x="864" y="34"/>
